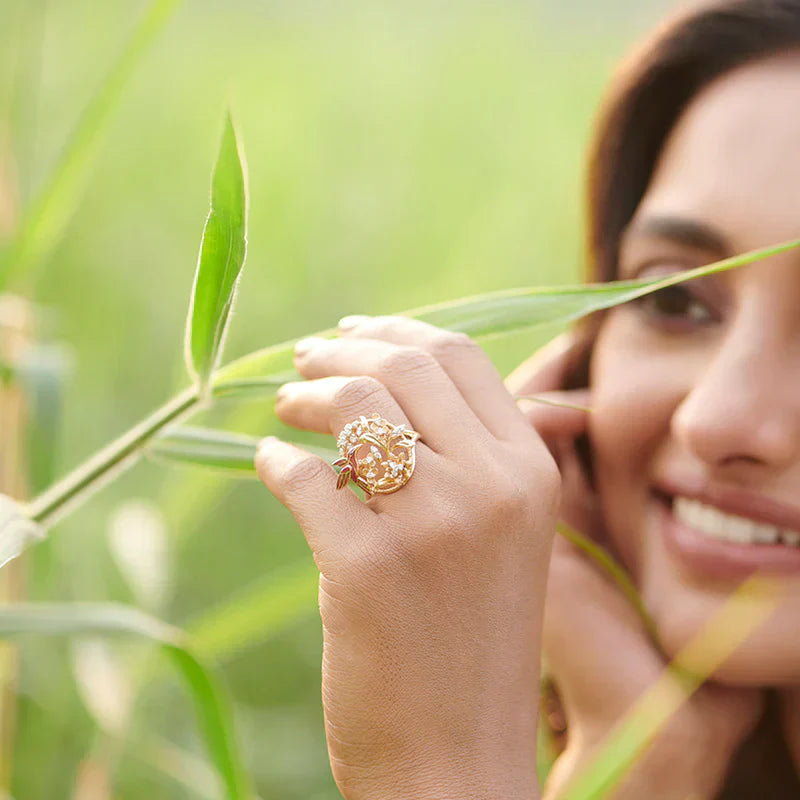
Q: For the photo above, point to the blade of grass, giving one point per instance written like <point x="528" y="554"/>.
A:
<point x="222" y="253"/>
<point x="538" y="399"/>
<point x="83" y="619"/>
<point x="741" y="614"/>
<point x="615" y="571"/>
<point x="488" y="315"/>
<point x="219" y="450"/>
<point x="50" y="214"/>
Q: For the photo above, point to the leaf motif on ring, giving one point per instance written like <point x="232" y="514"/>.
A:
<point x="376" y="455"/>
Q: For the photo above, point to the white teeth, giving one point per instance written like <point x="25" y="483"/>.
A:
<point x="729" y="527"/>
<point x="765" y="534"/>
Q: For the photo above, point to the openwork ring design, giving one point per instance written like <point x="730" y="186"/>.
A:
<point x="376" y="455"/>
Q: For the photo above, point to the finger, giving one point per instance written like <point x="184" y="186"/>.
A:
<point x="462" y="358"/>
<point x="430" y="400"/>
<point x="547" y="368"/>
<point x="568" y="420"/>
<point x="327" y="405"/>
<point x="588" y="622"/>
<point x="306" y="485"/>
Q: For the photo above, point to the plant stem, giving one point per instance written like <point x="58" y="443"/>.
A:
<point x="108" y="462"/>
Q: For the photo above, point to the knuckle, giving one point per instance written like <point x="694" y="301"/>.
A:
<point x="303" y="472"/>
<point x="403" y="362"/>
<point x="453" y="345"/>
<point x="543" y="486"/>
<point x="351" y="396"/>
<point x="522" y="494"/>
<point x="387" y="324"/>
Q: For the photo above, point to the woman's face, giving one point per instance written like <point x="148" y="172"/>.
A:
<point x="696" y="390"/>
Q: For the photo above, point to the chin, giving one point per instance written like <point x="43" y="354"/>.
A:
<point x="768" y="657"/>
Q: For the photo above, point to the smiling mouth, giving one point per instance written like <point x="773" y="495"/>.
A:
<point x="710" y="521"/>
<point x="719" y="544"/>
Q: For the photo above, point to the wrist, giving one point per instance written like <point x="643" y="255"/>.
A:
<point x="444" y="778"/>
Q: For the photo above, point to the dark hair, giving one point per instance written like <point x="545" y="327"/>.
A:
<point x="646" y="98"/>
<point x="648" y="95"/>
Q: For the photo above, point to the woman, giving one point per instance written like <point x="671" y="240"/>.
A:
<point x="687" y="469"/>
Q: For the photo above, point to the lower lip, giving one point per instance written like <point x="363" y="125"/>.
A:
<point x="715" y="558"/>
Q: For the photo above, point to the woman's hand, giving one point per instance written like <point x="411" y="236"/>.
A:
<point x="431" y="597"/>
<point x="598" y="652"/>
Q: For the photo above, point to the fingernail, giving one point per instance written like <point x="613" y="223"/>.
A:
<point x="346" y="323"/>
<point x="305" y="345"/>
<point x="286" y="389"/>
<point x="265" y="443"/>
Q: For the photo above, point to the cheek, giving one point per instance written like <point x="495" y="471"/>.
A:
<point x="634" y="395"/>
<point x="637" y="385"/>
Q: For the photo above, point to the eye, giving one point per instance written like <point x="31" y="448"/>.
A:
<point x="676" y="305"/>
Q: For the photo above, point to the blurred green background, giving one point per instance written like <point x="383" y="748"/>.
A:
<point x="399" y="154"/>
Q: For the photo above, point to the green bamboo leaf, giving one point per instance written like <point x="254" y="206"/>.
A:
<point x="17" y="530"/>
<point x="222" y="253"/>
<point x="85" y="619"/>
<point x="50" y="214"/>
<point x="219" y="450"/>
<point x="488" y="315"/>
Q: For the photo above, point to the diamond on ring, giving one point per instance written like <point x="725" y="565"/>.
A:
<point x="376" y="455"/>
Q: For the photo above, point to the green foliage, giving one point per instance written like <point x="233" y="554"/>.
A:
<point x="218" y="450"/>
<point x="489" y="315"/>
<point x="222" y="253"/>
<point x="86" y="619"/>
<point x="46" y="221"/>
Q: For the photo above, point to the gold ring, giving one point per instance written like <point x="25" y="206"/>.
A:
<point x="376" y="455"/>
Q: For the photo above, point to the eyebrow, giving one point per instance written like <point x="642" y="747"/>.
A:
<point x="682" y="230"/>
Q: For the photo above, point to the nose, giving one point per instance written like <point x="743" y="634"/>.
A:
<point x="743" y="407"/>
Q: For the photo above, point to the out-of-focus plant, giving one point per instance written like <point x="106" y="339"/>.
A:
<point x="162" y="435"/>
<point x="219" y="267"/>
<point x="263" y="371"/>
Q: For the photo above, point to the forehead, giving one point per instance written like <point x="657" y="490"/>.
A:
<point x="733" y="157"/>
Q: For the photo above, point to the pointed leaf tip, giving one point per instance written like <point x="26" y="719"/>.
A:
<point x="17" y="530"/>
<point x="223" y="248"/>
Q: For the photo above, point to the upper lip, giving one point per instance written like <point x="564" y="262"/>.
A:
<point x="756" y="507"/>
